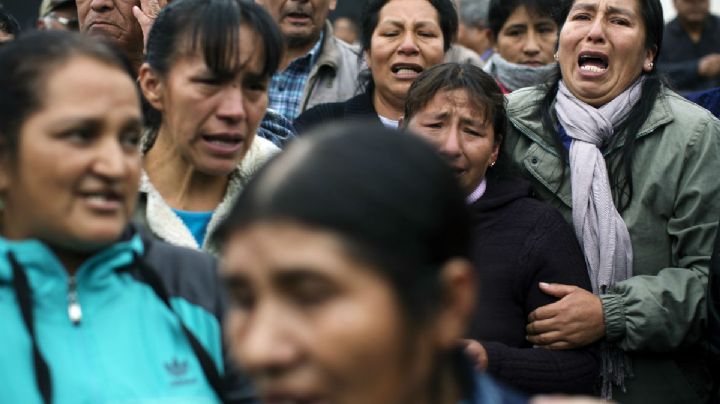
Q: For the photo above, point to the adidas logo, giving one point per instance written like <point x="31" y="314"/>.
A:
<point x="176" y="368"/>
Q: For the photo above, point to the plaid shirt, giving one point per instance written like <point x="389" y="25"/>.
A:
<point x="287" y="87"/>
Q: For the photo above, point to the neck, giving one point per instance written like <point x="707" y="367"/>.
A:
<point x="694" y="29"/>
<point x="389" y="107"/>
<point x="179" y="183"/>
<point x="71" y="260"/>
<point x="444" y="388"/>
<point x="292" y="53"/>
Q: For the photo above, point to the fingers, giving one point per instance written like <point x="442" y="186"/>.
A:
<point x="142" y="19"/>
<point x="547" y="339"/>
<point x="556" y="289"/>
<point x="543" y="326"/>
<point x="545" y="312"/>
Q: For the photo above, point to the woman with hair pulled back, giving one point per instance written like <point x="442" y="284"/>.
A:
<point x="91" y="310"/>
<point x="205" y="76"/>
<point x="517" y="241"/>
<point x="348" y="278"/>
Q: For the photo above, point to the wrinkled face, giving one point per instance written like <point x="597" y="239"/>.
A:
<point x="112" y="19"/>
<point x="75" y="177"/>
<point x="310" y="324"/>
<point x="406" y="41"/>
<point x="602" y="49"/>
<point x="460" y="132"/>
<point x="211" y="121"/>
<point x="527" y="39"/>
<point x="300" y="21"/>
<point x="692" y="11"/>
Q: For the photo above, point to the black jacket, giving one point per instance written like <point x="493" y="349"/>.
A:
<point x="518" y="242"/>
<point x="359" y="108"/>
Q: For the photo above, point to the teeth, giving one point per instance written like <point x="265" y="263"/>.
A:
<point x="406" y="71"/>
<point x="223" y="142"/>
<point x="98" y="198"/>
<point x="594" y="69"/>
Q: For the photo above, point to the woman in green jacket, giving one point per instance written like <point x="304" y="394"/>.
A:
<point x="635" y="168"/>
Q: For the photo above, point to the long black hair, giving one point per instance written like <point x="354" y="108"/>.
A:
<point x="619" y="166"/>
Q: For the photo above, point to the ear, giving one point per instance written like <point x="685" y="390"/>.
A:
<point x="5" y="167"/>
<point x="367" y="59"/>
<point x="460" y="287"/>
<point x="151" y="86"/>
<point x="495" y="152"/>
<point x="649" y="56"/>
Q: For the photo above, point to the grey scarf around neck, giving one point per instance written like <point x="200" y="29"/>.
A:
<point x="600" y="229"/>
<point x="515" y="76"/>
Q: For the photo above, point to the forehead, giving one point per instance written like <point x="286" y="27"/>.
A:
<point x="523" y="15"/>
<point x="457" y="100"/>
<point x="265" y="248"/>
<point x="622" y="6"/>
<point x="411" y="10"/>
<point x="89" y="87"/>
<point x="249" y="56"/>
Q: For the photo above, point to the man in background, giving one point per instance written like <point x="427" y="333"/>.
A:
<point x="317" y="67"/>
<point x="474" y="32"/>
<point x="691" y="47"/>
<point x="346" y="29"/>
<point x="58" y="15"/>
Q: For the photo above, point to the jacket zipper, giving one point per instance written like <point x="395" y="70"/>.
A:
<point x="74" y="309"/>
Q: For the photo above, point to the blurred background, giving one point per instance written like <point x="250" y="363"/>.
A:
<point x="26" y="10"/>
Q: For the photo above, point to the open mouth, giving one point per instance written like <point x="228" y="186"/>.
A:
<point x="223" y="143"/>
<point x="103" y="200"/>
<point x="297" y="16"/>
<point x="406" y="70"/>
<point x="593" y="62"/>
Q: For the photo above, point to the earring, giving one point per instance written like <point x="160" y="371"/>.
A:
<point x="492" y="164"/>
<point x="556" y="57"/>
<point x="650" y="65"/>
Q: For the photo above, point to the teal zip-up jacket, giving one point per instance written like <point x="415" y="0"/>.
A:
<point x="126" y="345"/>
<point x="656" y="316"/>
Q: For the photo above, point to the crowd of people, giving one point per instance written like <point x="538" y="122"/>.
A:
<point x="446" y="201"/>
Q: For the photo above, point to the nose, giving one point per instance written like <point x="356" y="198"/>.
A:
<point x="408" y="46"/>
<point x="102" y="5"/>
<point x="596" y="34"/>
<point x="531" y="46"/>
<point x="112" y="161"/>
<point x="232" y="108"/>
<point x="264" y="343"/>
<point x="450" y="146"/>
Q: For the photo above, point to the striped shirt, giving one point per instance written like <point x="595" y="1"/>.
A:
<point x="287" y="87"/>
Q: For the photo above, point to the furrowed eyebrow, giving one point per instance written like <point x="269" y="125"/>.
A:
<point x="619" y="10"/>
<point x="584" y="6"/>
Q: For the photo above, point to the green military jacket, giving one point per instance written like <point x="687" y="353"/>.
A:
<point x="657" y="315"/>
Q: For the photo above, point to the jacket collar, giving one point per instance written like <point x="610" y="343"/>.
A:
<point x="329" y="53"/>
<point x="45" y="271"/>
<point x="522" y="112"/>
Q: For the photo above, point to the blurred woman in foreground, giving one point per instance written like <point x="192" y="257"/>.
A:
<point x="348" y="277"/>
